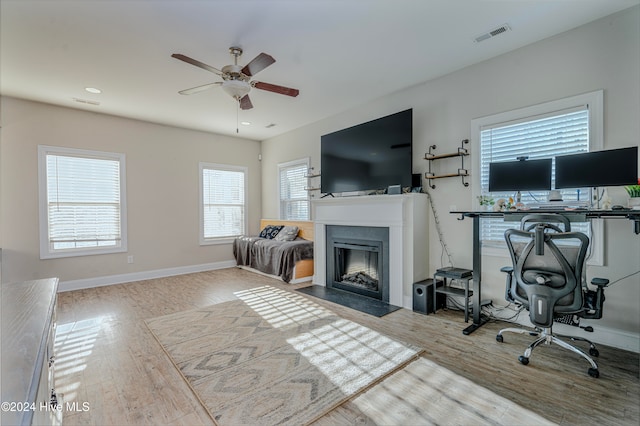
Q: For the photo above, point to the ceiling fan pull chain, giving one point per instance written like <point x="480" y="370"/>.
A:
<point x="237" y="115"/>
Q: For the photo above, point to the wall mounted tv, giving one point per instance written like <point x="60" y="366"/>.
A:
<point x="369" y="156"/>
<point x="613" y="167"/>
<point x="521" y="175"/>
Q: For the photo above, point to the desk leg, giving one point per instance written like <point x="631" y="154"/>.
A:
<point x="477" y="274"/>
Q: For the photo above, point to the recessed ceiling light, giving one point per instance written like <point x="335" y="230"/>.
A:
<point x="92" y="90"/>
<point x="245" y="123"/>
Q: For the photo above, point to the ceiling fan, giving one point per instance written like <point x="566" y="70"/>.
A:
<point x="236" y="79"/>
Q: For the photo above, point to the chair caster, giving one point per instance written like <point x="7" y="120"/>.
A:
<point x="594" y="352"/>
<point x="524" y="360"/>
<point x="499" y="338"/>
<point x="593" y="372"/>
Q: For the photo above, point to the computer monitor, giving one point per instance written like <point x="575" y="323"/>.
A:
<point x="521" y="175"/>
<point x="613" y="167"/>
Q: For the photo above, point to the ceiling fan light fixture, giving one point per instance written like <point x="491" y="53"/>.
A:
<point x="236" y="88"/>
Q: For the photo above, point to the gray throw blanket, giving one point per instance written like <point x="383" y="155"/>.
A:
<point x="271" y="256"/>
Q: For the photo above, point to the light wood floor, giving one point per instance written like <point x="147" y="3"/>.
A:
<point x="112" y="371"/>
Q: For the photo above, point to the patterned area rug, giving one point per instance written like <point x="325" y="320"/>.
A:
<point x="274" y="357"/>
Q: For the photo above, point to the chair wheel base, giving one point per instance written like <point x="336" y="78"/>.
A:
<point x="593" y="372"/>
<point x="524" y="360"/>
<point x="594" y="352"/>
<point x="499" y="338"/>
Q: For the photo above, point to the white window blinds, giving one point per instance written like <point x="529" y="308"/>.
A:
<point x="294" y="198"/>
<point x="83" y="202"/>
<point x="222" y="201"/>
<point x="543" y="136"/>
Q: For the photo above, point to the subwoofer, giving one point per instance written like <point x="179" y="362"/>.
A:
<point x="423" y="297"/>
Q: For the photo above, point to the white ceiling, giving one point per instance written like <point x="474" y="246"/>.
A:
<point x="338" y="53"/>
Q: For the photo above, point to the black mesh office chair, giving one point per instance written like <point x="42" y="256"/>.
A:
<point x="546" y="278"/>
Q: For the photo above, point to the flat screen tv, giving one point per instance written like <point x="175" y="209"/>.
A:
<point x="370" y="156"/>
<point x="525" y="175"/>
<point x="613" y="167"/>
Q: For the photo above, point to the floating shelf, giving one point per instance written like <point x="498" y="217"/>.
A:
<point x="310" y="175"/>
<point x="462" y="172"/>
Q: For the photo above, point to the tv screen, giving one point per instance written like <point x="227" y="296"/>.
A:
<point x="613" y="167"/>
<point x="369" y="156"/>
<point x="527" y="175"/>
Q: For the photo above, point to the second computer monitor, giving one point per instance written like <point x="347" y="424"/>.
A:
<point x="613" y="167"/>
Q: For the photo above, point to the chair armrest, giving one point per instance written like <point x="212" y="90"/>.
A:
<point x="507" y="290"/>
<point x="600" y="282"/>
<point x="509" y="270"/>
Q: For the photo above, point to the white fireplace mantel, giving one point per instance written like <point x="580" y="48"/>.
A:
<point x="406" y="216"/>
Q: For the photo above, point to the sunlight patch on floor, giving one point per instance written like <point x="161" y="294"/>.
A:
<point x="426" y="393"/>
<point x="281" y="308"/>
<point x="73" y="345"/>
<point x="358" y="353"/>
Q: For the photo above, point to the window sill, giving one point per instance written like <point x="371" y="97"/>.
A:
<point x="80" y="252"/>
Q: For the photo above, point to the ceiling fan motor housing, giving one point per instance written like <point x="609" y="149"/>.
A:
<point x="233" y="72"/>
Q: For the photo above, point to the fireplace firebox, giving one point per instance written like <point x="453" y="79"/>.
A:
<point x="358" y="260"/>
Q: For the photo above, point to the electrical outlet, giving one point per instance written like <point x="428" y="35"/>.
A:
<point x="129" y="259"/>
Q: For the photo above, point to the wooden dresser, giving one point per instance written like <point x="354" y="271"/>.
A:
<point x="27" y="353"/>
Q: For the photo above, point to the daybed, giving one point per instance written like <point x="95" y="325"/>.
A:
<point x="288" y="256"/>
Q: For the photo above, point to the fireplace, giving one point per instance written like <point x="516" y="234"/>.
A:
<point x="405" y="219"/>
<point x="357" y="260"/>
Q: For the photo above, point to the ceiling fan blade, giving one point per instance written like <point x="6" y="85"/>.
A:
<point x="196" y="63"/>
<point x="245" y="102"/>
<point x="275" y="88"/>
<point x="199" y="88"/>
<point x="257" y="64"/>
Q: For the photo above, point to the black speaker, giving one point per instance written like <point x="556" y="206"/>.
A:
<point x="416" y="180"/>
<point x="423" y="297"/>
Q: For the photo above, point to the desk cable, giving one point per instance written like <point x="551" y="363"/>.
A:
<point x="436" y="219"/>
<point x="622" y="278"/>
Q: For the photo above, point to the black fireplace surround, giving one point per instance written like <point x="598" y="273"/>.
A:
<point x="357" y="260"/>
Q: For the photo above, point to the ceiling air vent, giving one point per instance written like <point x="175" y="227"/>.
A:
<point x="86" y="101"/>
<point x="494" y="32"/>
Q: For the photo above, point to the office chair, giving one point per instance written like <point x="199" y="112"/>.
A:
<point x="546" y="278"/>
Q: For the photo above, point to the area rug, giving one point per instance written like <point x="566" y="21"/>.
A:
<point x="275" y="357"/>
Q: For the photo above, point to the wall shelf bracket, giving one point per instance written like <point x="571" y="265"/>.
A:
<point x="462" y="171"/>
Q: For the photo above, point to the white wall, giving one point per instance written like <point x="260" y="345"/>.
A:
<point x="162" y="190"/>
<point x="604" y="55"/>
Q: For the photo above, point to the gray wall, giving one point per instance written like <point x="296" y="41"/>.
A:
<point x="162" y="189"/>
<point x="604" y="54"/>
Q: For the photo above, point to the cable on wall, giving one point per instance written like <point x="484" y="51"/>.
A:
<point x="436" y="219"/>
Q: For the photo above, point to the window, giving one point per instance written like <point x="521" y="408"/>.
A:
<point x="82" y="202"/>
<point x="222" y="203"/>
<point x="566" y="126"/>
<point x="294" y="198"/>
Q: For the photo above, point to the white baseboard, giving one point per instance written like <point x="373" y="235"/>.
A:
<point x="603" y="335"/>
<point x="139" y="276"/>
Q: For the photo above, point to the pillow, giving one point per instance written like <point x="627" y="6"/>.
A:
<point x="288" y="233"/>
<point x="270" y="231"/>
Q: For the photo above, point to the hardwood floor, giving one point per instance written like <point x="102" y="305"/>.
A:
<point x="111" y="370"/>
